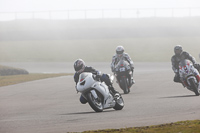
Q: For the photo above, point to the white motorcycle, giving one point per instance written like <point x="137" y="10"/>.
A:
<point x="97" y="93"/>
<point x="189" y="75"/>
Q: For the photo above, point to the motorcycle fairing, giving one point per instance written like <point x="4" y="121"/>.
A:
<point x="103" y="89"/>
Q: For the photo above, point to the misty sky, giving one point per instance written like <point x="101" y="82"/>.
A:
<point x="46" y="5"/>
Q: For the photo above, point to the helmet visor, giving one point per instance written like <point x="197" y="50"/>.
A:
<point x="119" y="52"/>
<point x="79" y="67"/>
<point x="178" y="51"/>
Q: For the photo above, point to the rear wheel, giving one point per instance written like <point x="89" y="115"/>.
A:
<point x="194" y="87"/>
<point x="96" y="104"/>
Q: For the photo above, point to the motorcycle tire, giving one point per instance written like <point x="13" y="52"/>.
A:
<point x="194" y="87"/>
<point x="95" y="104"/>
<point x="124" y="85"/>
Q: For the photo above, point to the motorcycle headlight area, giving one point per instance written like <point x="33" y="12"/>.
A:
<point x="187" y="70"/>
<point x="82" y="79"/>
<point x="82" y="83"/>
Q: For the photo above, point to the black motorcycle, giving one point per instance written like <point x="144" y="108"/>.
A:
<point x="123" y="74"/>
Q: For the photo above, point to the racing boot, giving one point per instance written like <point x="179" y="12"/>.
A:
<point x="132" y="81"/>
<point x="184" y="85"/>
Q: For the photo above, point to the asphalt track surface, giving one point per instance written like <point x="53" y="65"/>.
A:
<point x="52" y="105"/>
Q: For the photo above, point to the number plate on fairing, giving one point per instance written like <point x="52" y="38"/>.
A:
<point x="122" y="69"/>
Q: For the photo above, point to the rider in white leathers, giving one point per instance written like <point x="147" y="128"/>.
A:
<point x="121" y="55"/>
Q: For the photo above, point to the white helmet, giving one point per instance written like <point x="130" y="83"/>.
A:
<point x="79" y="65"/>
<point x="119" y="50"/>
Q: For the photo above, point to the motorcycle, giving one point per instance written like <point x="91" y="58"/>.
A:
<point x="97" y="93"/>
<point x="123" y="74"/>
<point x="189" y="76"/>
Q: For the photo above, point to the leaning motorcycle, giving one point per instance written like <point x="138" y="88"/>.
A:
<point x="190" y="76"/>
<point x="97" y="93"/>
<point x="123" y="74"/>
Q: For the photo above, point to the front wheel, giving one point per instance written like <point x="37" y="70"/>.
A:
<point x="95" y="103"/>
<point x="124" y="85"/>
<point x="194" y="87"/>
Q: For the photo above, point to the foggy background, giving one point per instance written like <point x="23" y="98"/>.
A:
<point x="60" y="31"/>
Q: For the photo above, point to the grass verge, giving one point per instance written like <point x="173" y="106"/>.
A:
<point x="192" y="126"/>
<point x="15" y="79"/>
<point x="6" y="70"/>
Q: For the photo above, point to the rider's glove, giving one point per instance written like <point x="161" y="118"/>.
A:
<point x="176" y="71"/>
<point x="98" y="75"/>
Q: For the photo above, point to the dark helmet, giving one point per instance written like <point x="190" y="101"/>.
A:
<point x="79" y="65"/>
<point x="119" y="50"/>
<point x="178" y="50"/>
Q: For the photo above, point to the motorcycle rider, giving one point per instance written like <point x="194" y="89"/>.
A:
<point x="181" y="55"/>
<point x="79" y="67"/>
<point x="121" y="55"/>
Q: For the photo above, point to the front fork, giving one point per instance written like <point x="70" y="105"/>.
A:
<point x="93" y="92"/>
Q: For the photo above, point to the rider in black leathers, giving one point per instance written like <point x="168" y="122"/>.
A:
<point x="79" y="67"/>
<point x="181" y="55"/>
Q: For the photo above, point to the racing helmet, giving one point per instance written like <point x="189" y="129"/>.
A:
<point x="119" y="50"/>
<point x="178" y="50"/>
<point x="79" y="65"/>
